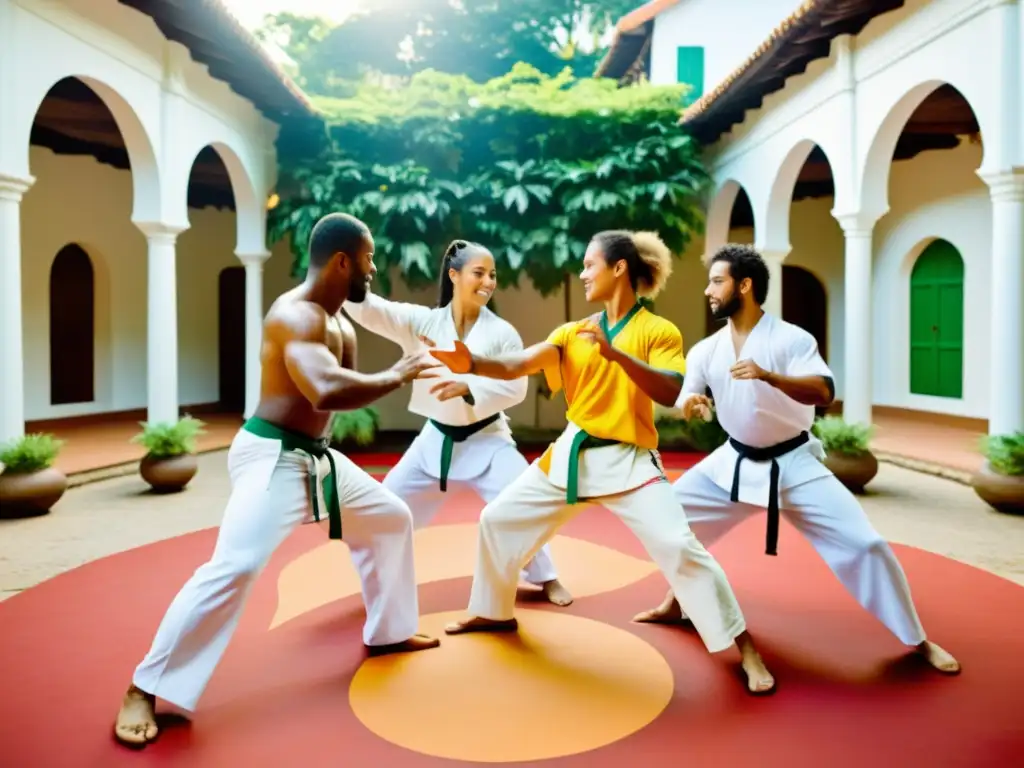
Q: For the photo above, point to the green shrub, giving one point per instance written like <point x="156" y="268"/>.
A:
<point x="360" y="426"/>
<point x="693" y="434"/>
<point x="30" y="453"/>
<point x="1005" y="453"/>
<point x="163" y="440"/>
<point x="839" y="437"/>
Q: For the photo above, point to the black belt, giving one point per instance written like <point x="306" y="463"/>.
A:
<point x="454" y="435"/>
<point x="315" y="448"/>
<point x="768" y="453"/>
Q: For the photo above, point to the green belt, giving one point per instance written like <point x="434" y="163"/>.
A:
<point x="315" y="449"/>
<point x="454" y="435"/>
<point x="579" y="442"/>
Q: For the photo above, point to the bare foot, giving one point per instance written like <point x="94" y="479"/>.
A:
<point x="136" y="722"/>
<point x="477" y="624"/>
<point x="669" y="612"/>
<point x="556" y="593"/>
<point x="415" y="643"/>
<point x="939" y="658"/>
<point x="759" y="679"/>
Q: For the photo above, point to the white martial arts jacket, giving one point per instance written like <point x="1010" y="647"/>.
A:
<point x="754" y="412"/>
<point x="490" y="336"/>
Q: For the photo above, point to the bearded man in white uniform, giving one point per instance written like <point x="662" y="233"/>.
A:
<point x="765" y="377"/>
<point x="466" y="439"/>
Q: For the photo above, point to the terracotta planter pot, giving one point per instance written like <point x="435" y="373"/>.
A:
<point x="26" y="494"/>
<point x="854" y="472"/>
<point x="170" y="474"/>
<point x="1004" y="493"/>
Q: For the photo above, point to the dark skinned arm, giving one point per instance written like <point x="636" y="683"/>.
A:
<point x="301" y="332"/>
<point x="663" y="387"/>
<point x="327" y="385"/>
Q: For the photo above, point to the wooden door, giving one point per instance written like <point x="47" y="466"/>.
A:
<point x="937" y="322"/>
<point x="231" y="339"/>
<point x="72" y="327"/>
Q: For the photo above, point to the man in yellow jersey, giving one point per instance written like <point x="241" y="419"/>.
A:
<point x="614" y="366"/>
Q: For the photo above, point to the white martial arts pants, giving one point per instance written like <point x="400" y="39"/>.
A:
<point x="828" y="515"/>
<point x="423" y="495"/>
<point x="269" y="499"/>
<point x="531" y="510"/>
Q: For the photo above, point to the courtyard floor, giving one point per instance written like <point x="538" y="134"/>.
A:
<point x="109" y="516"/>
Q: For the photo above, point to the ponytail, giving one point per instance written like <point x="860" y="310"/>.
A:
<point x="455" y="257"/>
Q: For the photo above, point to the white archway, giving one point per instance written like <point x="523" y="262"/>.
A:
<point x="874" y="171"/>
<point x="780" y="196"/>
<point x="145" y="171"/>
<point x="716" y="229"/>
<point x="250" y="211"/>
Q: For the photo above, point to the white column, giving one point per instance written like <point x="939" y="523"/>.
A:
<point x="253" y="325"/>
<point x="774" y="260"/>
<point x="161" y="321"/>
<point x="12" y="379"/>
<point x="1006" y="372"/>
<point x="857" y="299"/>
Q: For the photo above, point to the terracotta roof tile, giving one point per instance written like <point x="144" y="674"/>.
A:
<point x="786" y="26"/>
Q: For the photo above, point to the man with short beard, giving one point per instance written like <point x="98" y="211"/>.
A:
<point x="766" y="377"/>
<point x="278" y="463"/>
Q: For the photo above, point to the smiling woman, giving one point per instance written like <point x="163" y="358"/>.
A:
<point x="466" y="439"/>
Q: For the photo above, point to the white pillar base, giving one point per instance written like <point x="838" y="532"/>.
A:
<point x="857" y="382"/>
<point x="161" y="322"/>
<point x="253" y="326"/>
<point x="12" y="379"/>
<point x="1006" y="372"/>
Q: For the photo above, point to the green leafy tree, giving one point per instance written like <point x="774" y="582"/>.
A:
<point x="529" y="164"/>
<point x="480" y="39"/>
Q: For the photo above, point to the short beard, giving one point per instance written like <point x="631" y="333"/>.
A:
<point x="728" y="309"/>
<point x="357" y="290"/>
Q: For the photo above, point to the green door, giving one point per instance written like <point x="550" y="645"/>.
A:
<point x="937" y="322"/>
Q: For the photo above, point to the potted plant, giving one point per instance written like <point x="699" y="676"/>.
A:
<point x="170" y="462"/>
<point x="29" y="483"/>
<point x="1000" y="481"/>
<point x="847" y="450"/>
<point x="354" y="428"/>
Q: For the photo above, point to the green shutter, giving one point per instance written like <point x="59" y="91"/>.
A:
<point x="690" y="70"/>
<point x="937" y="322"/>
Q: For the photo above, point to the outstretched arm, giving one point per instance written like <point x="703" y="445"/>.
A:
<point x="300" y="331"/>
<point x="509" y="366"/>
<point x="396" y="321"/>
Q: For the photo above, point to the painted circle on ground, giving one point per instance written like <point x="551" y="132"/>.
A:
<point x="583" y="684"/>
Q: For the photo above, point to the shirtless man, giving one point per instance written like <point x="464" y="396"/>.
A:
<point x="308" y="359"/>
<point x="766" y="377"/>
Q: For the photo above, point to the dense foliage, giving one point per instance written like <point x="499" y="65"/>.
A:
<point x="529" y="164"/>
<point x="481" y="39"/>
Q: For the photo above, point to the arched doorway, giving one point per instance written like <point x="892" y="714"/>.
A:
<point x="231" y="339"/>
<point x="937" y="322"/>
<point x="72" y="327"/>
<point x="805" y="304"/>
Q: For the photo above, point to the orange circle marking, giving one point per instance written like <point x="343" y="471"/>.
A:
<point x="560" y="686"/>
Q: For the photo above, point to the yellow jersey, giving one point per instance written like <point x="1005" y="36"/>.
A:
<point x="603" y="401"/>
